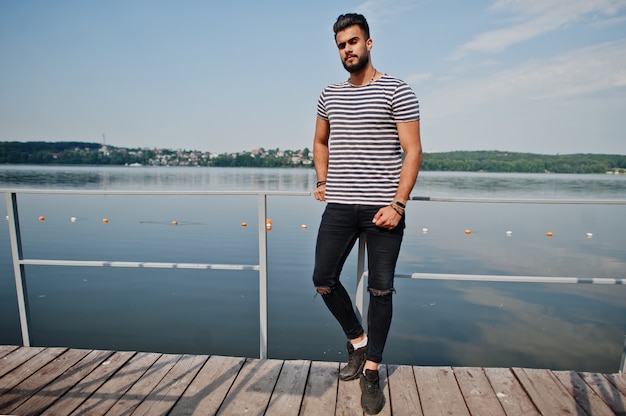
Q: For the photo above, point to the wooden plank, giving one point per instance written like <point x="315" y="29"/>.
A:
<point x="90" y="383"/>
<point x="349" y="398"/>
<point x="29" y="367"/>
<point x="251" y="391"/>
<point x="16" y="358"/>
<point x="51" y="392"/>
<point x="607" y="391"/>
<point x="584" y="395"/>
<point x="510" y="392"/>
<point x="547" y="393"/>
<point x="287" y="396"/>
<point x="320" y="394"/>
<point x="59" y="381"/>
<point x="439" y="391"/>
<point x="206" y="392"/>
<point x="6" y="349"/>
<point x="403" y="394"/>
<point x="161" y="400"/>
<point x="480" y="398"/>
<point x="618" y="380"/>
<point x="144" y="386"/>
<point x="105" y="397"/>
<point x="31" y="385"/>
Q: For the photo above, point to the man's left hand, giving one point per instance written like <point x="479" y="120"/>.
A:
<point x="387" y="217"/>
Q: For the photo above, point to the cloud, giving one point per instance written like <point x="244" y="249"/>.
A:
<point x="582" y="71"/>
<point x="532" y="18"/>
<point x="586" y="70"/>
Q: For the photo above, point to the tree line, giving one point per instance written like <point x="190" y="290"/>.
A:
<point x="88" y="153"/>
<point x="496" y="161"/>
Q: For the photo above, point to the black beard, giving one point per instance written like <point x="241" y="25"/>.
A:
<point x="361" y="64"/>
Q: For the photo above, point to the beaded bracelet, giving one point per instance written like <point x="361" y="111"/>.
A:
<point x="320" y="183"/>
<point x="397" y="206"/>
<point x="398" y="203"/>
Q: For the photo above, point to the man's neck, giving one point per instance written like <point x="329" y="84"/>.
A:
<point x="364" y="76"/>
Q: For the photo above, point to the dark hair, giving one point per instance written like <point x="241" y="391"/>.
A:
<point x="350" y="19"/>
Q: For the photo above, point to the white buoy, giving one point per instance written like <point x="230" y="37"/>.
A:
<point x="425" y="230"/>
<point x="73" y="219"/>
<point x="589" y="235"/>
<point x="509" y="233"/>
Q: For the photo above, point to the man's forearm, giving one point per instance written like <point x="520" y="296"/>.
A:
<point x="320" y="160"/>
<point x="408" y="175"/>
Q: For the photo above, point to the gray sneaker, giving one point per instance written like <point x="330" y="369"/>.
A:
<point x="356" y="361"/>
<point x="372" y="398"/>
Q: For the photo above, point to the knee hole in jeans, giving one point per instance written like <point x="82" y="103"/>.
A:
<point x="376" y="292"/>
<point x="324" y="290"/>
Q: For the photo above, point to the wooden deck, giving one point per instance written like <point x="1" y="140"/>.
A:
<point x="61" y="381"/>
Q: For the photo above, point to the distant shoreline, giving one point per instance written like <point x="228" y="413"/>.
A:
<point x="95" y="154"/>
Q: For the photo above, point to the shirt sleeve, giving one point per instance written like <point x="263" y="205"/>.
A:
<point x="321" y="107"/>
<point x="405" y="105"/>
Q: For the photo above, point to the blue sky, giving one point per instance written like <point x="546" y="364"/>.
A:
<point x="540" y="76"/>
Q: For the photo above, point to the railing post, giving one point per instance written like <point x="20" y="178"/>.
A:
<point x="263" y="274"/>
<point x="622" y="366"/>
<point x="360" y="284"/>
<point x="18" y="267"/>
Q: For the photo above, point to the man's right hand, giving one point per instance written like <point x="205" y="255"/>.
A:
<point x="320" y="193"/>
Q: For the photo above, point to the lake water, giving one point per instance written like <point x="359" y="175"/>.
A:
<point x="558" y="326"/>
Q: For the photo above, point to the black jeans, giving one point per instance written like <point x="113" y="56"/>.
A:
<point x="340" y="227"/>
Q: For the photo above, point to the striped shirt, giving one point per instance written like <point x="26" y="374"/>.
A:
<point x="364" y="150"/>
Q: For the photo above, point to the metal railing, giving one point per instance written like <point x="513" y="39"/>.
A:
<point x="362" y="273"/>
<point x="19" y="261"/>
<point x="20" y="276"/>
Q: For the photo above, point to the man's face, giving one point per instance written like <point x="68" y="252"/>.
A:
<point x="354" y="49"/>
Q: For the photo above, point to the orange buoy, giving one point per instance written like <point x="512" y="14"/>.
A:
<point x="244" y="224"/>
<point x="174" y="222"/>
<point x="105" y="220"/>
<point x="468" y="231"/>
<point x="549" y="234"/>
<point x="303" y="226"/>
<point x="42" y="218"/>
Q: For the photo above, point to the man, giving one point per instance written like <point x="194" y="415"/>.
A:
<point x="362" y="126"/>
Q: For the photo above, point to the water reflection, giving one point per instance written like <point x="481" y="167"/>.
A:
<point x="521" y="185"/>
<point x="151" y="178"/>
<point x="449" y="184"/>
<point x="505" y="325"/>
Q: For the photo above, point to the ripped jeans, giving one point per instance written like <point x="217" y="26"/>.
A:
<point x="340" y="227"/>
